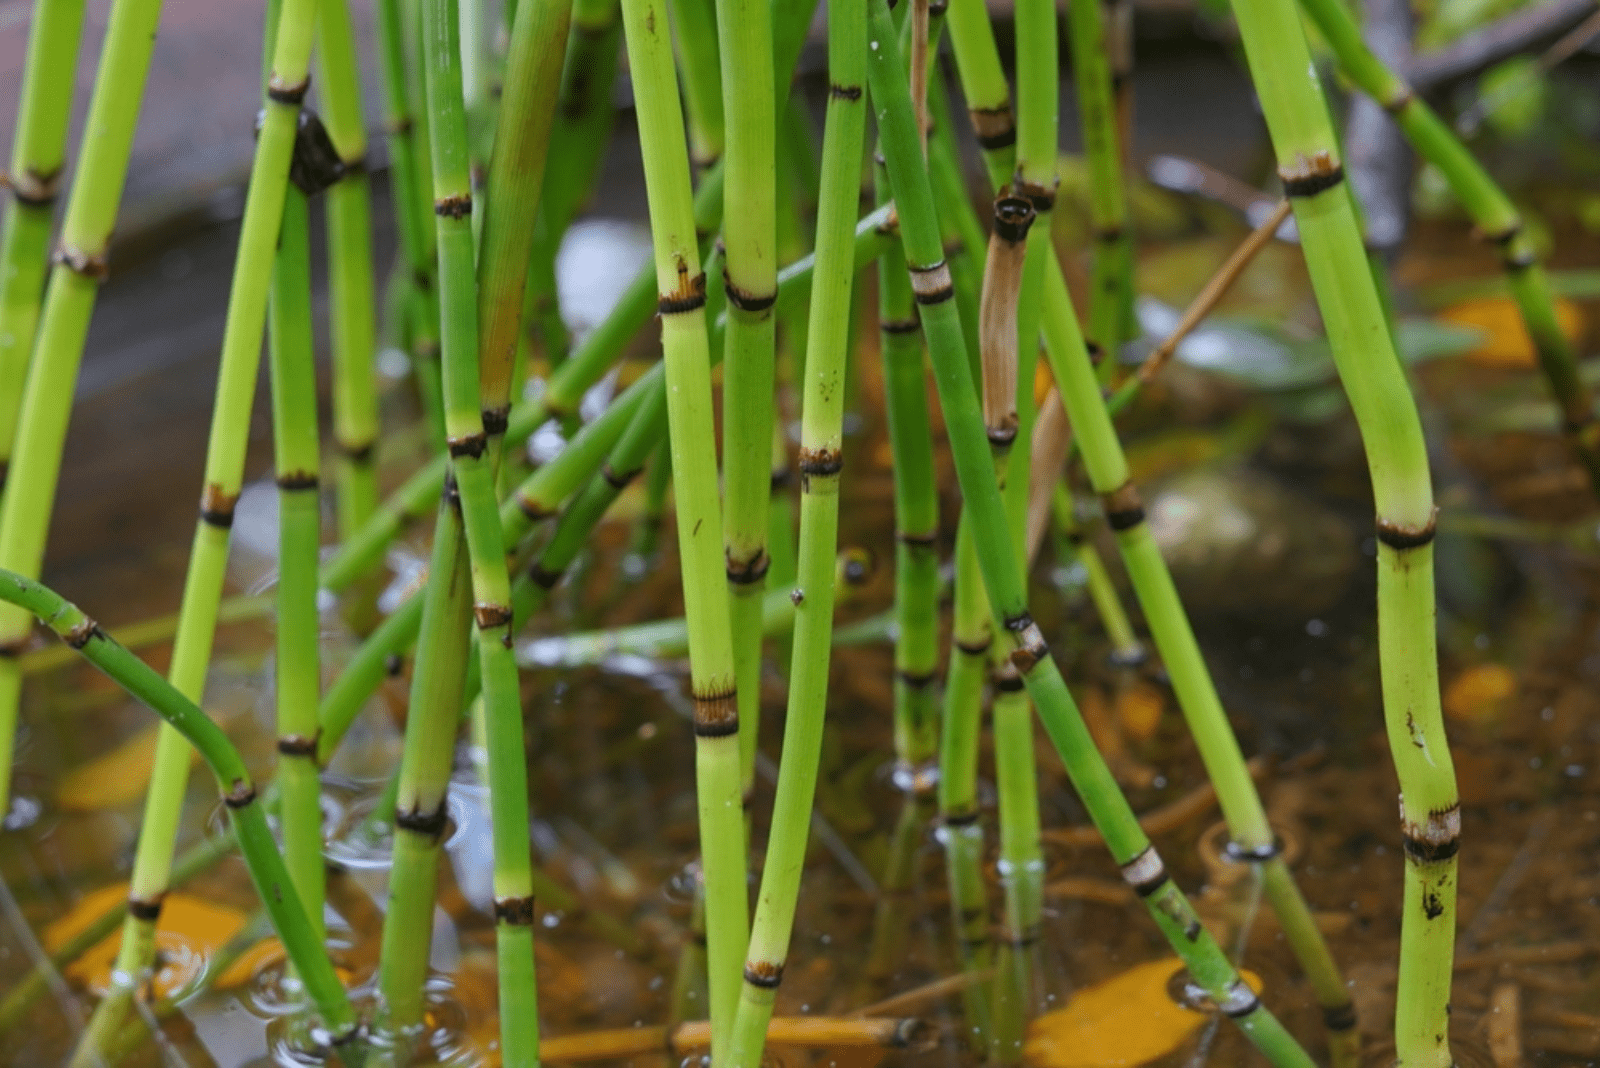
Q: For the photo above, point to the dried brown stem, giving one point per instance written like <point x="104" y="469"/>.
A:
<point x="997" y="317"/>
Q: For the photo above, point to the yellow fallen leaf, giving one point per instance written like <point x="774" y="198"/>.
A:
<point x="112" y="779"/>
<point x="264" y="954"/>
<point x="1139" y="708"/>
<point x="1129" y="1019"/>
<point x="1479" y="694"/>
<point x="189" y="932"/>
<point x="1506" y="342"/>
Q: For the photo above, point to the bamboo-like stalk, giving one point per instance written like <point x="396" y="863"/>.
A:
<point x="997" y="322"/>
<point x="1131" y="849"/>
<point x="694" y="30"/>
<point x="821" y="460"/>
<point x="749" y="346"/>
<point x="297" y="467"/>
<point x="236" y="789"/>
<point x="38" y="157"/>
<point x="1492" y="212"/>
<point x="282" y="137"/>
<point x="1352" y="309"/>
<point x="79" y="267"/>
<point x="685" y="351"/>
<point x="351" y="307"/>
<point x="411" y="193"/>
<point x="1112" y="287"/>
<point x="476" y="387"/>
<point x="984" y="83"/>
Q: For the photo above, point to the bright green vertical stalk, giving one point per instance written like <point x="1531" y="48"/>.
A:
<point x="1111" y="294"/>
<point x="984" y="83"/>
<point x="1142" y="866"/>
<point x="276" y="143"/>
<point x="694" y="28"/>
<point x="681" y="286"/>
<point x="1491" y="211"/>
<point x="749" y="232"/>
<point x="1352" y="309"/>
<point x="350" y="280"/>
<point x="473" y="390"/>
<point x="821" y="460"/>
<point x="38" y="156"/>
<point x="294" y="424"/>
<point x="80" y="266"/>
<point x="238" y="792"/>
<point x="410" y="193"/>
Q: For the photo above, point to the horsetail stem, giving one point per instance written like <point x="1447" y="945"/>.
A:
<point x="298" y="676"/>
<point x="351" y="307"/>
<point x="984" y="83"/>
<point x="820" y="464"/>
<point x="1309" y="165"/>
<point x="694" y="30"/>
<point x="283" y="138"/>
<point x="749" y="346"/>
<point x="79" y="266"/>
<point x="997" y="322"/>
<point x="1130" y="847"/>
<point x="237" y="790"/>
<point x="38" y="158"/>
<point x="1491" y="211"/>
<point x="685" y="352"/>
<point x="1111" y="294"/>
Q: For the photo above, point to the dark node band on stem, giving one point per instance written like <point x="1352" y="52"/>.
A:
<point x="995" y="127"/>
<point x="1503" y="237"/>
<point x="851" y="93"/>
<point x="241" y="794"/>
<point x="216" y="506"/>
<point x="716" y="714"/>
<point x="1146" y="873"/>
<point x="543" y="577"/>
<point x="747" y="572"/>
<point x="35" y="189"/>
<point x="1398" y="100"/>
<point x="689" y="296"/>
<point x="1240" y="854"/>
<point x="298" y="745"/>
<point x="1435" y="839"/>
<point x="618" y="481"/>
<point x="1341" y="1017"/>
<point x="1400" y="536"/>
<point x="931" y="284"/>
<point x="496" y="419"/>
<point x="962" y="817"/>
<point x="451" y="492"/>
<point x="428" y="824"/>
<point x="819" y="463"/>
<point x="1031" y="647"/>
<point x="1310" y="175"/>
<point x="1001" y="437"/>
<point x="1042" y="197"/>
<point x="781" y="477"/>
<point x="745" y="301"/>
<point x="146" y="909"/>
<point x="84" y="633"/>
<point x="361" y="453"/>
<point x="1123" y="508"/>
<point x="454" y="206"/>
<point x="535" y="510"/>
<point x="921" y="539"/>
<point x="900" y="326"/>
<point x="1006" y="679"/>
<point x="1239" y="1001"/>
<point x="917" y="680"/>
<point x="472" y="446"/>
<point x="489" y="615"/>
<point x="12" y="649"/>
<point x="315" y="164"/>
<point x="84" y="264"/>
<point x="764" y="974"/>
<point x="1013" y="217"/>
<point x="1519" y="259"/>
<point x="977" y="648"/>
<point x="514" y="911"/>
<point x="281" y="92"/>
<point x="291" y="481"/>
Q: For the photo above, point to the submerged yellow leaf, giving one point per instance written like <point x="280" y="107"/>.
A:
<point x="262" y="955"/>
<point x="1479" y="694"/>
<point x="111" y="779"/>
<point x="189" y="932"/>
<point x="1506" y="342"/>
<point x="1130" y="1019"/>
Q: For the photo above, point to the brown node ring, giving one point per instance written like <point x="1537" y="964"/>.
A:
<point x="469" y="445"/>
<point x="84" y="633"/>
<point x="81" y="263"/>
<point x="851" y="93"/>
<point x="900" y="326"/>
<point x="716" y="715"/>
<point x="917" y="680"/>
<point x="514" y="911"/>
<point x="298" y="745"/>
<point x="216" y="506"/>
<point x="1341" y="1017"/>
<point x="1400" y="537"/>
<point x="242" y="794"/>
<point x="298" y="480"/>
<point x="358" y="454"/>
<point x="975" y="648"/>
<point x="543" y="577"/>
<point x="932" y="284"/>
<point x="1013" y="217"/>
<point x="1042" y="197"/>
<point x="146" y="910"/>
<point x="489" y="615"/>
<point x="1123" y="508"/>
<point x="763" y="974"/>
<point x="454" y="206"/>
<point x="751" y="303"/>
<point x="534" y="510"/>
<point x="35" y="190"/>
<point x="747" y="572"/>
<point x="1311" y="175"/>
<point x="995" y="127"/>
<point x="1146" y="873"/>
<point x="618" y="482"/>
<point x="495" y="420"/>
<point x="820" y="463"/>
<point x="689" y="296"/>
<point x="280" y="93"/>
<point x="1400" y="100"/>
<point x="431" y="824"/>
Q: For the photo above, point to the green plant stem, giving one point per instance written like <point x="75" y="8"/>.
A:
<point x="237" y="791"/>
<point x="984" y="83"/>
<point x="685" y="348"/>
<point x="1111" y="285"/>
<point x="1352" y="310"/>
<point x="694" y="30"/>
<point x="236" y="381"/>
<point x="80" y="266"/>
<point x="38" y="157"/>
<point x="1002" y="577"/>
<point x="1126" y="649"/>
<point x="1492" y="212"/>
<point x="298" y="677"/>
<point x="749" y="344"/>
<point x="821" y="460"/>
<point x="351" y="305"/>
